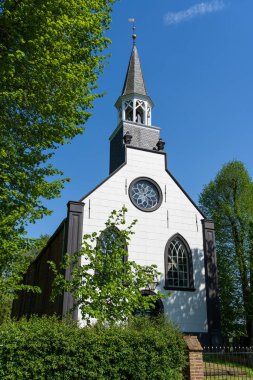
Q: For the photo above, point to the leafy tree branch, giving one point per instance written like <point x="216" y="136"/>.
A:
<point x="106" y="285"/>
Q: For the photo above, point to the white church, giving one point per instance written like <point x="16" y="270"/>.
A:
<point x="171" y="232"/>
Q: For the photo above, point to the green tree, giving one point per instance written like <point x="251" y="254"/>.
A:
<point x="51" y="54"/>
<point x="11" y="277"/>
<point x="104" y="283"/>
<point x="228" y="200"/>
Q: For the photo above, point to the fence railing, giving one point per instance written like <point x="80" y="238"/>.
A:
<point x="228" y="363"/>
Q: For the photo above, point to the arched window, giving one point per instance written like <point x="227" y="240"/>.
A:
<point x="111" y="246"/>
<point x="140" y="109"/>
<point x="178" y="264"/>
<point x="110" y="239"/>
<point x="129" y="112"/>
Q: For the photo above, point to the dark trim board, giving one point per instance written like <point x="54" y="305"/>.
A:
<point x="51" y="239"/>
<point x="147" y="150"/>
<point x="185" y="193"/>
<point x="211" y="280"/>
<point x="74" y="238"/>
<point x="179" y="289"/>
<point x="102" y="182"/>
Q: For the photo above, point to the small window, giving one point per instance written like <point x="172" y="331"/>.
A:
<point x="178" y="264"/>
<point x="129" y="110"/>
<point x="140" y="109"/>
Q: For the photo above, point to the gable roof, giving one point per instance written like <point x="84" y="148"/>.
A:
<point x="168" y="172"/>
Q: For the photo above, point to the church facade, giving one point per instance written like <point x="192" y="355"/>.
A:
<point x="171" y="231"/>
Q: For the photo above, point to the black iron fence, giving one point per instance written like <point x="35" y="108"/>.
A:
<point x="228" y="363"/>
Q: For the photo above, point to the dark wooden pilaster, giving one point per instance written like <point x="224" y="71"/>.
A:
<point x="73" y="244"/>
<point x="212" y="296"/>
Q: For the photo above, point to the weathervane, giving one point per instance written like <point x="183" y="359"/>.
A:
<point x="132" y="20"/>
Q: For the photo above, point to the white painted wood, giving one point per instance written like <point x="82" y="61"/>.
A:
<point x="187" y="309"/>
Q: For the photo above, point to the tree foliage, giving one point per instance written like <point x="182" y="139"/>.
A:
<point x="104" y="282"/>
<point x="228" y="200"/>
<point x="10" y="281"/>
<point x="51" y="53"/>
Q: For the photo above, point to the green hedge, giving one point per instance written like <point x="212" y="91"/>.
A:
<point x="45" y="348"/>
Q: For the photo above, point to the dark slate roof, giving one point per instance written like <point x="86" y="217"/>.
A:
<point x="134" y="82"/>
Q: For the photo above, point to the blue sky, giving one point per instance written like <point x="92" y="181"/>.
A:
<point x="197" y="60"/>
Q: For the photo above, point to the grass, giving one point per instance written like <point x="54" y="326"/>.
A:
<point x="218" y="369"/>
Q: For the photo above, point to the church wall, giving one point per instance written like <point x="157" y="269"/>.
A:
<point x="39" y="274"/>
<point x="177" y="214"/>
<point x="67" y="238"/>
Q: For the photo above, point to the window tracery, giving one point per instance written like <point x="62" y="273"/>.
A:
<point x="178" y="264"/>
<point x="129" y="110"/>
<point x="140" y="111"/>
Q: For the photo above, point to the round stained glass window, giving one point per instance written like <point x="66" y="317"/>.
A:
<point x="145" y="194"/>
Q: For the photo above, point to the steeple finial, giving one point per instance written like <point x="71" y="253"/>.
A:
<point x="132" y="20"/>
<point x="134" y="82"/>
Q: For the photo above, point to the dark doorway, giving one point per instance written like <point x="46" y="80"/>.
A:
<point x="155" y="311"/>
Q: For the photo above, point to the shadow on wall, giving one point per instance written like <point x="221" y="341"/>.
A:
<point x="188" y="308"/>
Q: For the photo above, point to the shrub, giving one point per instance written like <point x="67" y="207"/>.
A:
<point x="46" y="348"/>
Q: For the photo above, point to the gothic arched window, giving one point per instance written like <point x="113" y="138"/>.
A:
<point x="109" y="240"/>
<point x="178" y="264"/>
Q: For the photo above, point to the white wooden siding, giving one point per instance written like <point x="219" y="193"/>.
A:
<point x="152" y="231"/>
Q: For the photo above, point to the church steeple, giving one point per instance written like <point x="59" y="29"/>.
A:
<point x="134" y="104"/>
<point x="134" y="128"/>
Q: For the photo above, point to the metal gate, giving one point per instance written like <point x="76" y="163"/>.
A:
<point x="228" y="363"/>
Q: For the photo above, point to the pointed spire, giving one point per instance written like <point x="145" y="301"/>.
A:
<point x="134" y="82"/>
